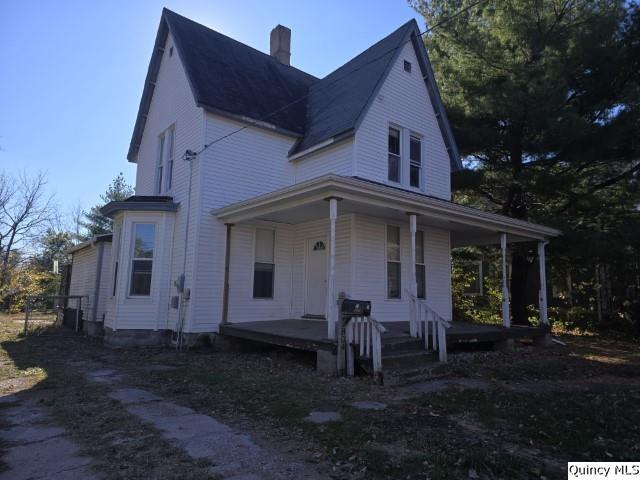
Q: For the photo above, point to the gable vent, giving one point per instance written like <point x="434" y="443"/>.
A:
<point x="407" y="66"/>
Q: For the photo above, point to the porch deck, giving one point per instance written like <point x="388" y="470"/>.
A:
<point x="311" y="335"/>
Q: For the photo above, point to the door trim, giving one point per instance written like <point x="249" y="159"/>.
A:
<point x="307" y="241"/>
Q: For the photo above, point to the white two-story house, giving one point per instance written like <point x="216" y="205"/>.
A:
<point x="264" y="193"/>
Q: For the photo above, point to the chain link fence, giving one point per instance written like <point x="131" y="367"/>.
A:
<point x="44" y="313"/>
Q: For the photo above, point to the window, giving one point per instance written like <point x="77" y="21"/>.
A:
<point x="164" y="175"/>
<point x="169" y="137"/>
<point x="142" y="258"/>
<point x="264" y="264"/>
<point x="420" y="267"/>
<point x="160" y="165"/>
<point x="394" y="154"/>
<point x="393" y="262"/>
<point x="407" y="66"/>
<point x="415" y="161"/>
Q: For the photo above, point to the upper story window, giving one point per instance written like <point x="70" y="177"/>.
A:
<point x="142" y="258"/>
<point x="415" y="161"/>
<point x="395" y="160"/>
<point x="405" y="157"/>
<point x="264" y="266"/>
<point x="164" y="174"/>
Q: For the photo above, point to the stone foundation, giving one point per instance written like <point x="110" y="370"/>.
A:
<point x="136" y="338"/>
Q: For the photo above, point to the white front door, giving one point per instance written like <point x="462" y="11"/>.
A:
<point x="316" y="296"/>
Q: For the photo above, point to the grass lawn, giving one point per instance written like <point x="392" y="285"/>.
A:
<point x="508" y="415"/>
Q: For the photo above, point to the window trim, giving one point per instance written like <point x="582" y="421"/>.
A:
<point x="165" y="158"/>
<point x="415" y="136"/>
<point x="170" y="155"/>
<point x="399" y="155"/>
<point x="387" y="261"/>
<point x="160" y="165"/>
<point x="134" y="224"/>
<point x="253" y="264"/>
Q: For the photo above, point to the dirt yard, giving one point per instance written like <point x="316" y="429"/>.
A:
<point x="483" y="415"/>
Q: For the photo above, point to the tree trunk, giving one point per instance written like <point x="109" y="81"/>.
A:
<point x="520" y="269"/>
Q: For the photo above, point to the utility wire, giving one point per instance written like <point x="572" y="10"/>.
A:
<point x="190" y="155"/>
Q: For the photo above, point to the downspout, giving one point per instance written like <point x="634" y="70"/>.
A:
<point x="227" y="261"/>
<point x="96" y="289"/>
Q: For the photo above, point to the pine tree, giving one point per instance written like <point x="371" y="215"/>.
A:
<point x="544" y="98"/>
<point x="95" y="222"/>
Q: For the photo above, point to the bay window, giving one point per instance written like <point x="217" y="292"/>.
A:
<point x="142" y="258"/>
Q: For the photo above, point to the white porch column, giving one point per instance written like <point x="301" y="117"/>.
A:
<point x="542" y="297"/>
<point x="413" y="285"/>
<point x="506" y="319"/>
<point x="332" y="299"/>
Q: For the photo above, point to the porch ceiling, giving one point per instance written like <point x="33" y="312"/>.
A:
<point x="307" y="201"/>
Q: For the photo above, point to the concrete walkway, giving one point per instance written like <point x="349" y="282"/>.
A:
<point x="233" y="455"/>
<point x="36" y="447"/>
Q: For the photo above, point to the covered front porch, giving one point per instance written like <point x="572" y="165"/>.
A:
<point x="342" y="237"/>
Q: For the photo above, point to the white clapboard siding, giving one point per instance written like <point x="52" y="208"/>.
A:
<point x="83" y="279"/>
<point x="369" y="268"/>
<point x="251" y="162"/>
<point x="242" y="306"/>
<point x="172" y="104"/>
<point x="337" y="159"/>
<point x="403" y="101"/>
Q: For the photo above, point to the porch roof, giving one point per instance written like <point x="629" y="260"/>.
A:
<point x="305" y="202"/>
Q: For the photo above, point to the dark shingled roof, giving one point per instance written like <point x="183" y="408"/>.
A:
<point x="336" y="102"/>
<point x="233" y="79"/>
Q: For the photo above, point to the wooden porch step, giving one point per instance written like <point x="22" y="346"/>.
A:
<point x="396" y="345"/>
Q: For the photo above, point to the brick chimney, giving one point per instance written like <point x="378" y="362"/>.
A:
<point x="281" y="44"/>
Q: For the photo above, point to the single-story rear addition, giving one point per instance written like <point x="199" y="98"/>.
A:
<point x="265" y="195"/>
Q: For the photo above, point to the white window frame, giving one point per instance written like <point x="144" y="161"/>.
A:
<point x="170" y="157"/>
<point x="415" y="136"/>
<point x="132" y="258"/>
<point x="160" y="165"/>
<point x="253" y="264"/>
<point x="399" y="155"/>
<point x="387" y="261"/>
<point x="165" y="161"/>
<point x="423" y="264"/>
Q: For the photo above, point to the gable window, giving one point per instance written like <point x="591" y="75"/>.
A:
<point x="407" y="66"/>
<point x="142" y="258"/>
<point x="164" y="174"/>
<point x="393" y="262"/>
<point x="394" y="155"/>
<point x="420" y="267"/>
<point x="263" y="269"/>
<point x="415" y="161"/>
